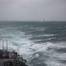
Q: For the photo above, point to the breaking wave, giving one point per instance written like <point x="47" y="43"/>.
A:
<point x="37" y="54"/>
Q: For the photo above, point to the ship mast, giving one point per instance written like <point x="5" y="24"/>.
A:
<point x="6" y="44"/>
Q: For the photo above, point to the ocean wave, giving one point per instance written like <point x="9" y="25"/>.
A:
<point x="46" y="53"/>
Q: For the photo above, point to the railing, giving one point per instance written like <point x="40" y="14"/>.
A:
<point x="4" y="44"/>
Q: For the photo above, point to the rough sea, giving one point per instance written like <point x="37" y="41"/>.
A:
<point x="40" y="43"/>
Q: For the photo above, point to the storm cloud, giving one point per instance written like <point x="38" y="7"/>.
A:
<point x="33" y="10"/>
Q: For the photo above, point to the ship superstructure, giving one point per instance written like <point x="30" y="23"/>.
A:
<point x="10" y="58"/>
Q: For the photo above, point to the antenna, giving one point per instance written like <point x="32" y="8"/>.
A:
<point x="18" y="49"/>
<point x="2" y="44"/>
<point x="6" y="45"/>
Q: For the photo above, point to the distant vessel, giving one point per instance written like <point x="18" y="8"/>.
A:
<point x="43" y="20"/>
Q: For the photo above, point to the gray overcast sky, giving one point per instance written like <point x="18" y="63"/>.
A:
<point x="33" y="10"/>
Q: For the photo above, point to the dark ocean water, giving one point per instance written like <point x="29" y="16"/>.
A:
<point x="41" y="43"/>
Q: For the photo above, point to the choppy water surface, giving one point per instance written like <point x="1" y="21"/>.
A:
<point x="41" y="43"/>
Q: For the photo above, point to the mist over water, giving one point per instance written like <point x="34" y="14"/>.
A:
<point x="41" y="43"/>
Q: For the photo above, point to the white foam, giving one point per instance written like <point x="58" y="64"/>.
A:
<point x="21" y="43"/>
<point x="54" y="63"/>
<point x="26" y="46"/>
